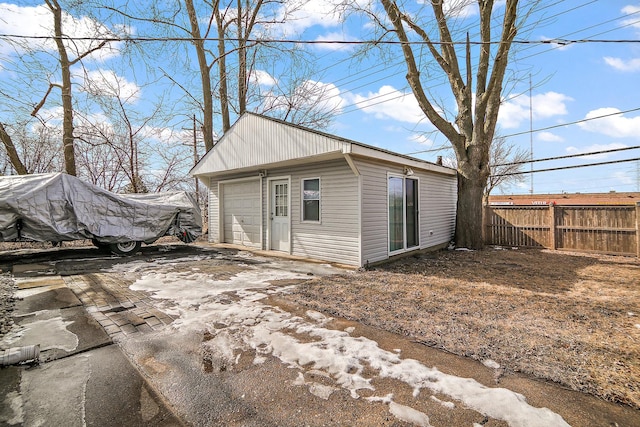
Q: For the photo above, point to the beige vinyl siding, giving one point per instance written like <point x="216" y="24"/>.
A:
<point x="437" y="198"/>
<point x="337" y="237"/>
<point x="375" y="230"/>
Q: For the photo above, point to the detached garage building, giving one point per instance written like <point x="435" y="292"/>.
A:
<point x="281" y="187"/>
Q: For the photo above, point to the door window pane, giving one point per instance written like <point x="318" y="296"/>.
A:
<point x="281" y="200"/>
<point x="396" y="222"/>
<point x="411" y="203"/>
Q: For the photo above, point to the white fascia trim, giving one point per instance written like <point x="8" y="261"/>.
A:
<point x="388" y="157"/>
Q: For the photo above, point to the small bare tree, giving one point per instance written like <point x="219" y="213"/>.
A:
<point x="505" y="160"/>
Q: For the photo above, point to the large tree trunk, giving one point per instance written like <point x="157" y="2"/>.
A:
<point x="476" y="118"/>
<point x="14" y="158"/>
<point x="205" y="78"/>
<point x="469" y="213"/>
<point x="67" y="105"/>
<point x="242" y="63"/>
<point x="223" y="90"/>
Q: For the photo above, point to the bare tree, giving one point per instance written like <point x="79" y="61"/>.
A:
<point x="225" y="37"/>
<point x="65" y="69"/>
<point x="505" y="159"/>
<point x="205" y="71"/>
<point x="32" y="148"/>
<point x="478" y="99"/>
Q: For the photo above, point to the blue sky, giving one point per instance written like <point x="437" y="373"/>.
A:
<point x="569" y="83"/>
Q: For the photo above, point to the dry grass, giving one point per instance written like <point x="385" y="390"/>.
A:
<point x="570" y="318"/>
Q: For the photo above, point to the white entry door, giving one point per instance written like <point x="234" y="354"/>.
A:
<point x="279" y="215"/>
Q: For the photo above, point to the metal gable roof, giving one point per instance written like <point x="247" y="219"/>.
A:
<point x="256" y="141"/>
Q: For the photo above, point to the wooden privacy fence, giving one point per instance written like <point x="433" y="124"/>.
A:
<point x="611" y="229"/>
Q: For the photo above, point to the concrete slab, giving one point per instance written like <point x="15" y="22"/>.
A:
<point x="36" y="282"/>
<point x="49" y="297"/>
<point x="99" y="387"/>
<point x="59" y="332"/>
<point x="39" y="269"/>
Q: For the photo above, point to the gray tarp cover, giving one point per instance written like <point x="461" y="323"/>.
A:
<point x="60" y="207"/>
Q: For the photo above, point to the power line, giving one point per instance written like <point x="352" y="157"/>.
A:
<point x="567" y="167"/>
<point x="553" y="127"/>
<point x="569" y="156"/>
<point x="573" y="123"/>
<point x="562" y="42"/>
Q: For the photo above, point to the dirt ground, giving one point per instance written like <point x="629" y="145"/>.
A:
<point x="570" y="318"/>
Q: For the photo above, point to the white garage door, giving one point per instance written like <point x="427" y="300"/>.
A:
<point x="241" y="205"/>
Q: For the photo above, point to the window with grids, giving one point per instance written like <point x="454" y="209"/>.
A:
<point x="311" y="199"/>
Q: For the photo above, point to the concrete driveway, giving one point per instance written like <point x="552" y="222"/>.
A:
<point x="202" y="335"/>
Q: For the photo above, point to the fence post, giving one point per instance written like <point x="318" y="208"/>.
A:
<point x="552" y="226"/>
<point x="638" y="229"/>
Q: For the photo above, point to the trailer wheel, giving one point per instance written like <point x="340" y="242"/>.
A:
<point x="125" y="248"/>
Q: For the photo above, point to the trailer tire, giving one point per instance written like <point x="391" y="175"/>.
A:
<point x="125" y="248"/>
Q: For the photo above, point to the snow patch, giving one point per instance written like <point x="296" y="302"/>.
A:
<point x="318" y="317"/>
<point x="49" y="333"/>
<point x="319" y="390"/>
<point x="308" y="345"/>
<point x="409" y="415"/>
<point x="449" y="405"/>
<point x="491" y="364"/>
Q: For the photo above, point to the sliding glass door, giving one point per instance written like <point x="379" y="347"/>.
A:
<point x="403" y="213"/>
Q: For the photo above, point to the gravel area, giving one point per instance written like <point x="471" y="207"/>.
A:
<point x="565" y="317"/>
<point x="7" y="302"/>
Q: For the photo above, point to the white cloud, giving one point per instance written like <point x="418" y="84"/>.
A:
<point x="615" y="125"/>
<point x="421" y="139"/>
<point x="620" y="64"/>
<point x="325" y="96"/>
<point x="549" y="137"/>
<point x="310" y="94"/>
<point x="262" y="78"/>
<point x="390" y="103"/>
<point x="460" y="8"/>
<point x="108" y="83"/>
<point x="595" y="148"/>
<point x="624" y="178"/>
<point x="38" y="21"/>
<point x="300" y="15"/>
<point x="556" y="43"/>
<point x="166" y="135"/>
<point x="632" y="21"/>
<point x="545" y="105"/>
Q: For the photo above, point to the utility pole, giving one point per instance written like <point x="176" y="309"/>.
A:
<point x="531" y="133"/>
